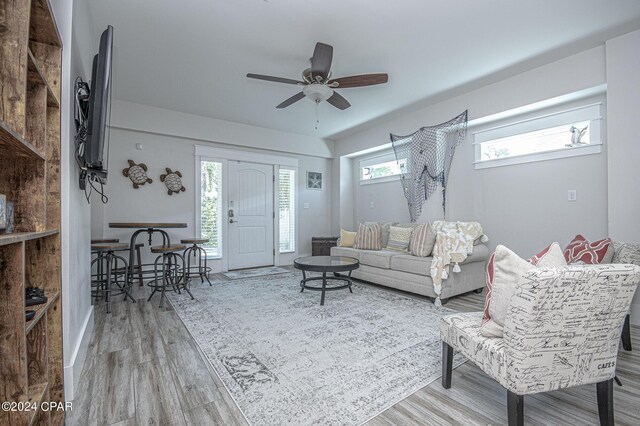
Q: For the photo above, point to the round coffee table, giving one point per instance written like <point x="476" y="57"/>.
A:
<point x="326" y="264"/>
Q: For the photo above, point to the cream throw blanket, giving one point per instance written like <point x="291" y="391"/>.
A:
<point x="454" y="242"/>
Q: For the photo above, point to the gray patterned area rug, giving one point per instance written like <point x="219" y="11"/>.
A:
<point x="287" y="360"/>
<point x="254" y="272"/>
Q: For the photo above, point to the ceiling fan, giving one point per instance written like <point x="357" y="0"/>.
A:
<point x="317" y="82"/>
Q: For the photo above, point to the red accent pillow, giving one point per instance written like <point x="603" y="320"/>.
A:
<point x="580" y="250"/>
<point x="489" y="282"/>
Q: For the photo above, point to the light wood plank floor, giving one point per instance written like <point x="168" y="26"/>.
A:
<point x="143" y="368"/>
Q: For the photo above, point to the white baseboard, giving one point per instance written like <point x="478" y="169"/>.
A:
<point x="73" y="370"/>
<point x="635" y="314"/>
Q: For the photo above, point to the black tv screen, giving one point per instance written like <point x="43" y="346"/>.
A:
<point x="97" y="145"/>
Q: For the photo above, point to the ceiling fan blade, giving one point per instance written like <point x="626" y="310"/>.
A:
<point x="321" y="60"/>
<point x="360" y="80"/>
<point x="338" y="101"/>
<point x="274" y="79"/>
<point x="295" y="98"/>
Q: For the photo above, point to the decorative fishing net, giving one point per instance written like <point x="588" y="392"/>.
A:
<point x="425" y="159"/>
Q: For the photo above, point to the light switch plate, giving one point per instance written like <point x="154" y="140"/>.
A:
<point x="305" y="206"/>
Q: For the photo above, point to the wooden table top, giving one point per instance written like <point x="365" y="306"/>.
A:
<point x="141" y="225"/>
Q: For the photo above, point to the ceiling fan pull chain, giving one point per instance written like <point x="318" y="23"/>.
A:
<point x="317" y="113"/>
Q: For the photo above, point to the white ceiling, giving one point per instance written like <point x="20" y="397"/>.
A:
<point x="193" y="55"/>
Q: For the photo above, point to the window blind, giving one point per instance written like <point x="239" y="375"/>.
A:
<point x="287" y="209"/>
<point x="211" y="205"/>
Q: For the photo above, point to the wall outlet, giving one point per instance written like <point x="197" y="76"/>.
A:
<point x="370" y="204"/>
<point x="305" y="205"/>
<point x="572" y="195"/>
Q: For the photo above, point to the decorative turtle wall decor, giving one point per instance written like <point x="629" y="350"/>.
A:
<point x="173" y="181"/>
<point x="137" y="173"/>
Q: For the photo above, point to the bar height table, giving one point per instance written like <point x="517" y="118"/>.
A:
<point x="150" y="228"/>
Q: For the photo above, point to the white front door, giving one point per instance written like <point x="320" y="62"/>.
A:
<point x="250" y="215"/>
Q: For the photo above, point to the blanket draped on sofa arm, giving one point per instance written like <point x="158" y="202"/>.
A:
<point x="454" y="242"/>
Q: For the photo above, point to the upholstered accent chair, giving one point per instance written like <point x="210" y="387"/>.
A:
<point x="562" y="329"/>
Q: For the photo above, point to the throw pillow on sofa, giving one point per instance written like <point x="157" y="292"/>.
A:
<point x="384" y="231"/>
<point x="582" y="251"/>
<point x="503" y="274"/>
<point x="399" y="239"/>
<point x="347" y="238"/>
<point x="368" y="237"/>
<point x="422" y="241"/>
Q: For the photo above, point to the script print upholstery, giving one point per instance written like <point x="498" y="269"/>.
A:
<point x="562" y="328"/>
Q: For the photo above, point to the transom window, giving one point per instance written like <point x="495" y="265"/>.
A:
<point x="381" y="168"/>
<point x="558" y="135"/>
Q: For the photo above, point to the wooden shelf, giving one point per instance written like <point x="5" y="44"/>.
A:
<point x="11" y="141"/>
<point x="36" y="74"/>
<point x="41" y="310"/>
<point x="18" y="237"/>
<point x="31" y="77"/>
<point x="43" y="28"/>
<point x="37" y="393"/>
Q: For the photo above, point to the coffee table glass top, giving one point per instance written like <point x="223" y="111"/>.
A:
<point x="328" y="263"/>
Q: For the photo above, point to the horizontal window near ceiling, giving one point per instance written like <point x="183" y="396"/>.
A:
<point x="558" y="135"/>
<point x="381" y="168"/>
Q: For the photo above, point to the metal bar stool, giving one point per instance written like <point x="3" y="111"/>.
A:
<point x="137" y="267"/>
<point x="107" y="266"/>
<point x="199" y="255"/>
<point x="144" y="269"/>
<point x="169" y="271"/>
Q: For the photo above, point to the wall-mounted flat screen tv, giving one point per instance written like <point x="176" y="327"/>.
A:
<point x="96" y="153"/>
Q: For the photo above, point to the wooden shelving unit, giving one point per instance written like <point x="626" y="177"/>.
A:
<point x="30" y="73"/>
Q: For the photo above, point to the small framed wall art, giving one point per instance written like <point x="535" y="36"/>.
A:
<point x="314" y="180"/>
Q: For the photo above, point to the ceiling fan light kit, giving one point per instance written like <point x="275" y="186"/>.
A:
<point x="317" y="82"/>
<point x="317" y="92"/>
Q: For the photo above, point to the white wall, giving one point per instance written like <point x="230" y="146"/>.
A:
<point x="172" y="123"/>
<point x="152" y="203"/>
<point x="482" y="195"/>
<point x="75" y="233"/>
<point x="523" y="206"/>
<point x="623" y="97"/>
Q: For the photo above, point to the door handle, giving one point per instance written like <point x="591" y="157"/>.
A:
<point x="233" y="221"/>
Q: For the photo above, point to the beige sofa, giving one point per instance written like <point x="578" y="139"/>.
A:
<point x="411" y="273"/>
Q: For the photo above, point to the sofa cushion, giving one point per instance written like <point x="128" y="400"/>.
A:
<point x="369" y="237"/>
<point x="379" y="259"/>
<point x="413" y="264"/>
<point x="582" y="251"/>
<point x="347" y="238"/>
<point x="422" y="241"/>
<point x="385" y="228"/>
<point x="346" y="251"/>
<point x="399" y="239"/>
